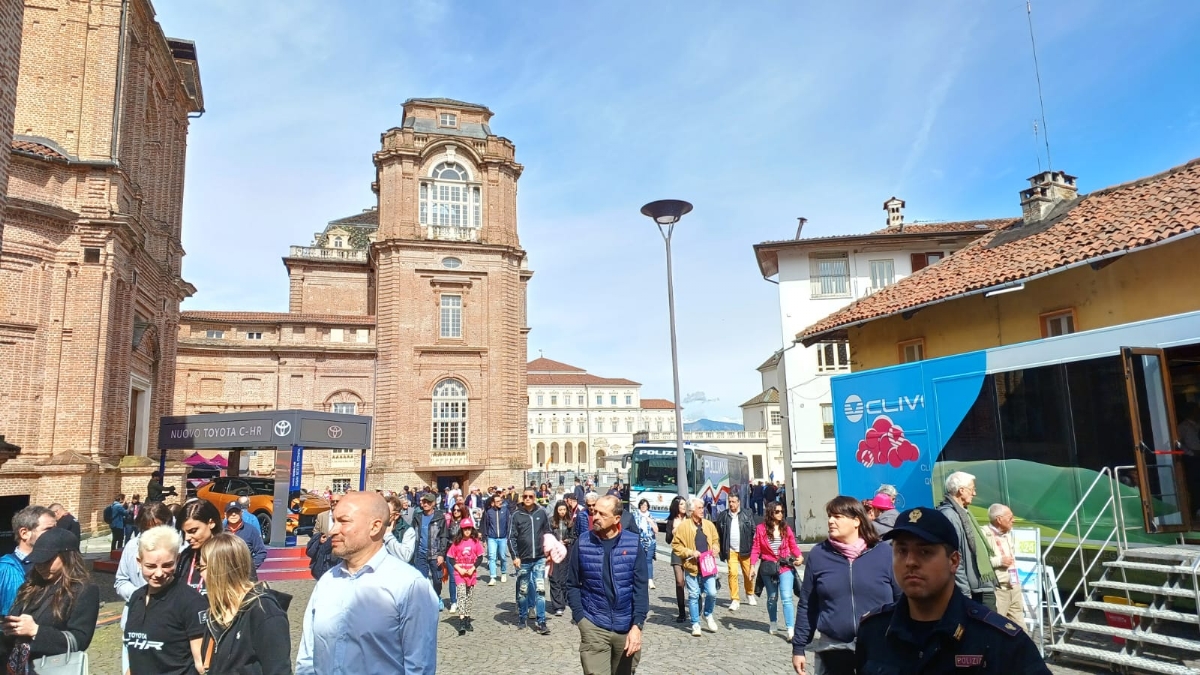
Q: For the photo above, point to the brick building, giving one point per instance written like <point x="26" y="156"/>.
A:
<point x="89" y="272"/>
<point x="11" y="12"/>
<point x="412" y="312"/>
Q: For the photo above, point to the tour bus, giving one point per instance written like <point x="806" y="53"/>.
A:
<point x="1037" y="423"/>
<point x="712" y="474"/>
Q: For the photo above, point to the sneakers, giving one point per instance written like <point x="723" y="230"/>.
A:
<point x="504" y="578"/>
<point x="651" y="584"/>
<point x="558" y="612"/>
<point x="541" y="628"/>
<point x="454" y="607"/>
<point x="750" y="597"/>
<point x="522" y="624"/>
<point x="791" y="634"/>
<point x="734" y="605"/>
<point x="695" y="630"/>
<point x="771" y="627"/>
<point x="712" y="623"/>
<point x="492" y="581"/>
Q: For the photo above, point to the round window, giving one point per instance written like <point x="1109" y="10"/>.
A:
<point x="451" y="263"/>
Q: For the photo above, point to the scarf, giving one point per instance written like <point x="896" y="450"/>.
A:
<point x="849" y="551"/>
<point x="981" y="552"/>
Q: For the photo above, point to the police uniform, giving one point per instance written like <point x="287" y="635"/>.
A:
<point x="969" y="638"/>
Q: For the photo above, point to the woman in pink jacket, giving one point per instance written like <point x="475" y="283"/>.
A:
<point x="775" y="555"/>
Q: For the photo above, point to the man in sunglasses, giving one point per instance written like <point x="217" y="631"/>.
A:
<point x="527" y="529"/>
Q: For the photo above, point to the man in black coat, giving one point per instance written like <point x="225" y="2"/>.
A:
<point x="65" y="520"/>
<point x="736" y="528"/>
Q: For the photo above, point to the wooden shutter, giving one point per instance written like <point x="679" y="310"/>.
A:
<point x="919" y="261"/>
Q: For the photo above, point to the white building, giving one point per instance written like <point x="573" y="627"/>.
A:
<point x="577" y="419"/>
<point x="816" y="277"/>
<point x="761" y="416"/>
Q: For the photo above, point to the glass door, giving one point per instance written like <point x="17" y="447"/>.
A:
<point x="1159" y="456"/>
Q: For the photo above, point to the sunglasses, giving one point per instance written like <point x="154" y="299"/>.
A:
<point x="527" y="497"/>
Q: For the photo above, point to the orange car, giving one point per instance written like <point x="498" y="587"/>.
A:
<point x="261" y="492"/>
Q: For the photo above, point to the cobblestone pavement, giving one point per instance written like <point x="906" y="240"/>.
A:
<point x="742" y="644"/>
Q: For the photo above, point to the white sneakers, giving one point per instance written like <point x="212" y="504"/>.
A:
<point x="734" y="605"/>
<point x="712" y="623"/>
<point x="695" y="630"/>
<point x="504" y="578"/>
<point x="771" y="627"/>
<point x="492" y="582"/>
<point x="750" y="597"/>
<point x="454" y="607"/>
<point x="651" y="584"/>
<point x="791" y="634"/>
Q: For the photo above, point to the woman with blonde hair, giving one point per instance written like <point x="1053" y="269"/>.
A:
<point x="166" y="616"/>
<point x="247" y="622"/>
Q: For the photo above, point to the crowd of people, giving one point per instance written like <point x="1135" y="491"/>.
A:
<point x="919" y="591"/>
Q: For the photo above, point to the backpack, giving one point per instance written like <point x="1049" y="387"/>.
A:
<point x="108" y="514"/>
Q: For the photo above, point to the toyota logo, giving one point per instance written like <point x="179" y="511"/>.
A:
<point x="335" y="431"/>
<point x="283" y="428"/>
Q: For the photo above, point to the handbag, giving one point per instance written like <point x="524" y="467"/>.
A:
<point x="707" y="563"/>
<point x="768" y="568"/>
<point x="74" y="662"/>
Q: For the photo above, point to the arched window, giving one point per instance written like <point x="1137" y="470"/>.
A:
<point x="449" y="199"/>
<point x="337" y="242"/>
<point x="449" y="415"/>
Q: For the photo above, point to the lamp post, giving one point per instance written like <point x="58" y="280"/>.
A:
<point x="665" y="213"/>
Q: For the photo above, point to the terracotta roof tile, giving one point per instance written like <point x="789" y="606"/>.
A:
<point x="579" y="379"/>
<point x="33" y="148"/>
<point x="276" y="317"/>
<point x="1103" y="224"/>
<point x="771" y="395"/>
<point x="950" y="226"/>
<point x="657" y="404"/>
<point x="544" y="365"/>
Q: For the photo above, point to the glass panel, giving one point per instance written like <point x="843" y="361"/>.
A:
<point x="1034" y="420"/>
<point x="1163" y="503"/>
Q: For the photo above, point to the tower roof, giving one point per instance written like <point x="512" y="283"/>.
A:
<point x="447" y="101"/>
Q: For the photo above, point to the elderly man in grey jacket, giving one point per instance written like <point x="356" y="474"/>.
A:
<point x="975" y="576"/>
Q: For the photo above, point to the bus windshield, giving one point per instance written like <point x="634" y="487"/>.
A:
<point x="647" y="473"/>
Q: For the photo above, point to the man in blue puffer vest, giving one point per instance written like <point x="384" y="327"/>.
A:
<point x="608" y="594"/>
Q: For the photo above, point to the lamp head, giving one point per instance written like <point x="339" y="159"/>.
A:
<point x="666" y="211"/>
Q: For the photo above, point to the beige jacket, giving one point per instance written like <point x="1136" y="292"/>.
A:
<point x="1002" y="545"/>
<point x="684" y="543"/>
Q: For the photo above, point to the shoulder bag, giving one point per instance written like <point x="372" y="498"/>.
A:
<point x="74" y="662"/>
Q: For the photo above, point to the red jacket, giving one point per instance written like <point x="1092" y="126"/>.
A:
<point x="762" y="546"/>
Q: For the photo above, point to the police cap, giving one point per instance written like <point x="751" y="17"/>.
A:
<point x="927" y="524"/>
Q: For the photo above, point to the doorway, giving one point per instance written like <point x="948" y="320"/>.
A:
<point x="444" y="482"/>
<point x="1157" y="451"/>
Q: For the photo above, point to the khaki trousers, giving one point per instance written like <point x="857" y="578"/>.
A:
<point x="602" y="652"/>
<point x="1009" y="604"/>
<point x="735" y="562"/>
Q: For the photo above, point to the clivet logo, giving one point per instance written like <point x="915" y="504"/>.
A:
<point x="854" y="407"/>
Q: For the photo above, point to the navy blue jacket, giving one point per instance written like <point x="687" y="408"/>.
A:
<point x="587" y="594"/>
<point x="495" y="521"/>
<point x="250" y="534"/>
<point x="836" y="593"/>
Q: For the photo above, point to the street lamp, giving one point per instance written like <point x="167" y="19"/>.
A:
<point x="665" y="213"/>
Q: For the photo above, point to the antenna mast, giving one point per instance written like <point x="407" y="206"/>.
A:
<point x="1038" y="74"/>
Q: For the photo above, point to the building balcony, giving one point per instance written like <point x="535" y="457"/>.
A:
<point x="451" y="233"/>
<point x="709" y="435"/>
<point x="448" y="457"/>
<point x="319" y="253"/>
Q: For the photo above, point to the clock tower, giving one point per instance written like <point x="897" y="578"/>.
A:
<point x="450" y="296"/>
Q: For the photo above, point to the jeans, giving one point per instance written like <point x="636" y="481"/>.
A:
<point x="773" y="585"/>
<point x="431" y="572"/>
<point x="453" y="585"/>
<point x="495" y="546"/>
<point x="693" y="581"/>
<point x="650" y="559"/>
<point x="527" y="592"/>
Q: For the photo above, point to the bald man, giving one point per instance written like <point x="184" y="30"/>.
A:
<point x="371" y="614"/>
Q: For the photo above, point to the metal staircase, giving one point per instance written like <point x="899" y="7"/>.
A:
<point x="1153" y="590"/>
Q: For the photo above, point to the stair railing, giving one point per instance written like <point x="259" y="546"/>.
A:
<point x="1105" y="481"/>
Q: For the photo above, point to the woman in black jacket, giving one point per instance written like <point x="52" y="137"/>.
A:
<point x="675" y="516"/>
<point x="563" y="527"/>
<point x="247" y="623"/>
<point x="57" y="599"/>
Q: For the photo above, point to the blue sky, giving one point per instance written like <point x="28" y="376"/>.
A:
<point x="756" y="112"/>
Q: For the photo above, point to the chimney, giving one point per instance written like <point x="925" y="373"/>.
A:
<point x="895" y="213"/>
<point x="800" y="226"/>
<point x="1046" y="190"/>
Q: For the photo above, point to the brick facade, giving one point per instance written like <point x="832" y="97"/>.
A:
<point x="90" y="280"/>
<point x="385" y="272"/>
<point x="11" y="12"/>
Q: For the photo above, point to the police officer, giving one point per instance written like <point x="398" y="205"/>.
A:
<point x="933" y="628"/>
